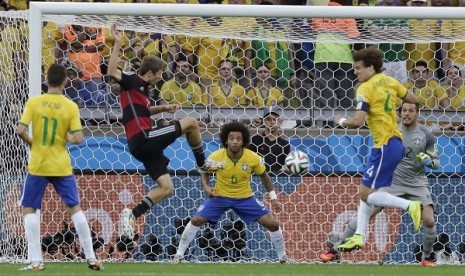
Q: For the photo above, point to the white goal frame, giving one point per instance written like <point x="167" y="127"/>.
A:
<point x="37" y="9"/>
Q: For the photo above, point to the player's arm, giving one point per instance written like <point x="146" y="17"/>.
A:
<point x="205" y="179"/>
<point x="266" y="180"/>
<point x="75" y="137"/>
<point x="113" y="70"/>
<point x="430" y="157"/>
<point x="358" y="120"/>
<point x="170" y="108"/>
<point x="21" y="131"/>
<point x="410" y="97"/>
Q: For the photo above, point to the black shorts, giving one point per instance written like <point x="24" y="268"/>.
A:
<point x="150" y="151"/>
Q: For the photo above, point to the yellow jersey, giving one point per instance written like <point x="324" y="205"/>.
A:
<point x="187" y="96"/>
<point x="453" y="29"/>
<point x="380" y="94"/>
<point x="275" y="97"/>
<point x="52" y="116"/>
<point x="233" y="180"/>
<point x="428" y="96"/>
<point x="457" y="101"/>
<point x="236" y="97"/>
<point x="51" y="36"/>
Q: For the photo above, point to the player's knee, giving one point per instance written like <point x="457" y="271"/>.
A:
<point x="273" y="226"/>
<point x="197" y="221"/>
<point x="189" y="123"/>
<point x="429" y="222"/>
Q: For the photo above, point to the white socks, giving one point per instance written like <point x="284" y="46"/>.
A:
<point x="383" y="199"/>
<point x="277" y="240"/>
<point x="363" y="217"/>
<point x="186" y="238"/>
<point x="32" y="229"/>
<point x="83" y="231"/>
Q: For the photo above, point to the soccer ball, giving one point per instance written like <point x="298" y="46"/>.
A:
<point x="297" y="162"/>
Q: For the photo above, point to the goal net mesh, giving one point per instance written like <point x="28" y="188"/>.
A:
<point x="307" y="75"/>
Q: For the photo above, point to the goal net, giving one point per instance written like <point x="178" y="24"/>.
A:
<point x="293" y="59"/>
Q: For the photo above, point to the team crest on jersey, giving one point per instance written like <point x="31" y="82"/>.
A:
<point x="245" y="167"/>
<point x="428" y="92"/>
<point x="190" y="96"/>
<point x="141" y="88"/>
<point x="417" y="140"/>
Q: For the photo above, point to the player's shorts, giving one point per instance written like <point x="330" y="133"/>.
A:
<point x="150" y="151"/>
<point x="34" y="189"/>
<point x="421" y="193"/>
<point x="248" y="209"/>
<point x="382" y="163"/>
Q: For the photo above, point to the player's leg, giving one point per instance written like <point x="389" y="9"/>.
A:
<point x="31" y="200"/>
<point x="429" y="235"/>
<point x="158" y="171"/>
<point x="66" y="187"/>
<point x="190" y="127"/>
<point x="379" y="174"/>
<point x="210" y="211"/>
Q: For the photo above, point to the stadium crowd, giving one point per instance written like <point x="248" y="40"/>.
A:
<point x="203" y="71"/>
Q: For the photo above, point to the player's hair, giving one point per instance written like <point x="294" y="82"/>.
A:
<point x="56" y="75"/>
<point x="234" y="126"/>
<point x="421" y="63"/>
<point x="417" y="107"/>
<point x="150" y="63"/>
<point x="456" y="67"/>
<point x="371" y="56"/>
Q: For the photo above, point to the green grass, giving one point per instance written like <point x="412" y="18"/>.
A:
<point x="163" y="269"/>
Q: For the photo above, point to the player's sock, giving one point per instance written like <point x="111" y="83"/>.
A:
<point x="83" y="232"/>
<point x="277" y="240"/>
<point x="363" y="217"/>
<point x="32" y="230"/>
<point x="186" y="238"/>
<point x="199" y="154"/>
<point x="383" y="199"/>
<point x="145" y="204"/>
<point x="429" y="236"/>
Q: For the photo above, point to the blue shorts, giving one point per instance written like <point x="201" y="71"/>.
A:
<point x="248" y="209"/>
<point x="382" y="163"/>
<point x="34" y="189"/>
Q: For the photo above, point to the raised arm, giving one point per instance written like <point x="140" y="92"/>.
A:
<point x="113" y="70"/>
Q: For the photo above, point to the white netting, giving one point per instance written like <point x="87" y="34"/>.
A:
<point x="307" y="90"/>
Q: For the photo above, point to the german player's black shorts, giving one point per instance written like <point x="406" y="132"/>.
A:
<point x="150" y="151"/>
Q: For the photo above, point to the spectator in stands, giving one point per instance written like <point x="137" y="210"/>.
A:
<point x="74" y="88"/>
<point x="270" y="143"/>
<point x="455" y="50"/>
<point x="395" y="62"/>
<point x="265" y="92"/>
<point x="425" y="29"/>
<point x="85" y="44"/>
<point x="277" y="56"/>
<point x="53" y="45"/>
<point x="226" y="92"/>
<point x="333" y="61"/>
<point x="180" y="89"/>
<point x="13" y="59"/>
<point x="428" y="91"/>
<point x="455" y="88"/>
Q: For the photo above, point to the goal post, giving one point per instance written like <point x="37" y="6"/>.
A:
<point x="315" y="205"/>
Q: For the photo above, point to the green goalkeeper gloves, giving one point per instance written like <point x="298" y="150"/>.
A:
<point x="425" y="159"/>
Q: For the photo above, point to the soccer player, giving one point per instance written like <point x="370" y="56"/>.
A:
<point x="376" y="103"/>
<point x="146" y="143"/>
<point x="55" y="120"/>
<point x="233" y="190"/>
<point x="409" y="180"/>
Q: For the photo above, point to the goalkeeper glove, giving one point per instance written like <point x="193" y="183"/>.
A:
<point x="425" y="159"/>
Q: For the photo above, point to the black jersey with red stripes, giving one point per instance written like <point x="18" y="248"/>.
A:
<point x="135" y="104"/>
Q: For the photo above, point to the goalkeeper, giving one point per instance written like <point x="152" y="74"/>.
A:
<point x="409" y="181"/>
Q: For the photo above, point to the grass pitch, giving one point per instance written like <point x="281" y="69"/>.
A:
<point x="163" y="269"/>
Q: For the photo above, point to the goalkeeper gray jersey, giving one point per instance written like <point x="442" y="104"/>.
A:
<point x="410" y="170"/>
